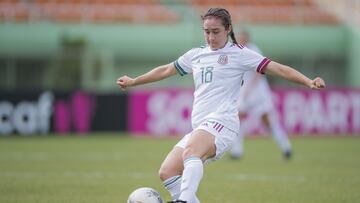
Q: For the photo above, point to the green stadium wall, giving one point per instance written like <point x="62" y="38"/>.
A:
<point x="166" y="41"/>
<point x="139" y="47"/>
<point x="354" y="59"/>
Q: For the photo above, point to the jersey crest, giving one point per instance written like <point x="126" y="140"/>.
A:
<point x="223" y="59"/>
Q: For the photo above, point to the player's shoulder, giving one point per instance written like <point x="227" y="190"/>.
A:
<point x="253" y="47"/>
<point x="236" y="47"/>
<point x="197" y="50"/>
<point x="244" y="50"/>
<point x="200" y="48"/>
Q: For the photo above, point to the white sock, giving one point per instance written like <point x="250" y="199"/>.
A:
<point x="173" y="185"/>
<point x="192" y="175"/>
<point x="237" y="149"/>
<point x="280" y="136"/>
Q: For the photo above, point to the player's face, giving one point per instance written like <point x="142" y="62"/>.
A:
<point x="215" y="34"/>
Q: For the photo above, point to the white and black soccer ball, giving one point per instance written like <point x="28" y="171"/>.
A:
<point x="145" y="195"/>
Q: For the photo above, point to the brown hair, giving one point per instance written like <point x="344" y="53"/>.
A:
<point x="225" y="18"/>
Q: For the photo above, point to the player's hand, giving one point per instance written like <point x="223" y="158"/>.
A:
<point x="317" y="83"/>
<point x="125" y="82"/>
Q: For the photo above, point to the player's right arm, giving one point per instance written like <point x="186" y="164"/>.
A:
<point x="156" y="74"/>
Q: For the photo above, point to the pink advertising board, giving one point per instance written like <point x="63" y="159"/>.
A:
<point x="167" y="112"/>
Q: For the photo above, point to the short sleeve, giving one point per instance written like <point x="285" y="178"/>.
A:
<point x="254" y="61"/>
<point x="184" y="63"/>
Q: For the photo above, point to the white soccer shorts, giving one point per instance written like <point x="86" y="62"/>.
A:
<point x="224" y="138"/>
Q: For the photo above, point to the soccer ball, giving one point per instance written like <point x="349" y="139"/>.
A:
<point x="145" y="195"/>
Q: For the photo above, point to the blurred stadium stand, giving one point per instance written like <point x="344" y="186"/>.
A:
<point x="87" y="44"/>
<point x="147" y="11"/>
<point x="96" y="11"/>
<point x="347" y="11"/>
<point x="271" y="11"/>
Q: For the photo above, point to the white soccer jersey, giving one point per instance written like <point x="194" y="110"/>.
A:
<point x="217" y="76"/>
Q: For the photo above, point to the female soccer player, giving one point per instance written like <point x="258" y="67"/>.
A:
<point x="256" y="100"/>
<point x="217" y="71"/>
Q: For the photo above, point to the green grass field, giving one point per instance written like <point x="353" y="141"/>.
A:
<point x="106" y="168"/>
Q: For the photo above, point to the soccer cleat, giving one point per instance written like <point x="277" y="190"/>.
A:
<point x="235" y="153"/>
<point x="235" y="156"/>
<point x="287" y="154"/>
<point x="177" y="201"/>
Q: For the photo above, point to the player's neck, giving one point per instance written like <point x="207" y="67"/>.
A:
<point x="220" y="47"/>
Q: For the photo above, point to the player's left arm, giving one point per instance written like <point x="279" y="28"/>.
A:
<point x="288" y="73"/>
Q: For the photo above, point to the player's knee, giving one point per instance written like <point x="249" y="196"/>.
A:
<point x="166" y="173"/>
<point x="163" y="173"/>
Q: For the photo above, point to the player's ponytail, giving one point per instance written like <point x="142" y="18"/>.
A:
<point x="232" y="36"/>
<point x="225" y="17"/>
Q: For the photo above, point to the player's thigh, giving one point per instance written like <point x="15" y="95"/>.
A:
<point x="200" y="144"/>
<point x="173" y="164"/>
